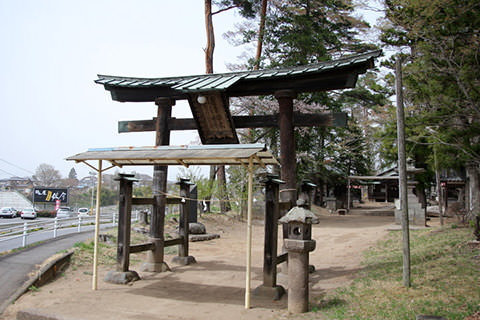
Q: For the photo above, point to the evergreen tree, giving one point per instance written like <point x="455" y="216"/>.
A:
<point x="72" y="174"/>
<point x="299" y="32"/>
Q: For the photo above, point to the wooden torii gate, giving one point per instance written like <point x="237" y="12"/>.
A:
<point x="208" y="96"/>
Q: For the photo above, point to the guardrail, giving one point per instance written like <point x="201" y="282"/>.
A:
<point x="26" y="229"/>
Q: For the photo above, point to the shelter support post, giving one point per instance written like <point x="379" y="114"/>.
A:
<point x="249" y="233"/>
<point x="269" y="287"/>
<point x="155" y="257"/>
<point x="97" y="228"/>
<point x="183" y="258"/>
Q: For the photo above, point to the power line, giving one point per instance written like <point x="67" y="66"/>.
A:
<point x="13" y="175"/>
<point x="26" y="170"/>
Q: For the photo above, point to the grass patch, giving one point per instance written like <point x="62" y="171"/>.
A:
<point x="444" y="274"/>
<point x="108" y="251"/>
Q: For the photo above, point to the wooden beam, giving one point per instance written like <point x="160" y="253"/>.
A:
<point x="282" y="258"/>
<point x="137" y="201"/>
<point x="336" y="119"/>
<point x="173" y="242"/>
<point x="135" y="248"/>
<point x="151" y="201"/>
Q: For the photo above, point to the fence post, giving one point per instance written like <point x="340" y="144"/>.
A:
<point x="79" y="224"/>
<point x="55" y="226"/>
<point x="24" y="241"/>
<point x="113" y="219"/>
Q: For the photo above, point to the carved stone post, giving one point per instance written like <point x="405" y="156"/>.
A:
<point x="183" y="258"/>
<point x="155" y="257"/>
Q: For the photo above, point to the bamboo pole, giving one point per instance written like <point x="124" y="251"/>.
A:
<point x="249" y="233"/>
<point x="97" y="228"/>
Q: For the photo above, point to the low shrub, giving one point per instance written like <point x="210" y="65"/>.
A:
<point x="46" y="214"/>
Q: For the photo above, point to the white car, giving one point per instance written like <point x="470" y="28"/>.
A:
<point x="29" y="213"/>
<point x="83" y="212"/>
<point x="8" y="212"/>
<point x="65" y="212"/>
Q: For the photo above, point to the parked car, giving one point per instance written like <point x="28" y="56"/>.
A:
<point x="8" y="212"/>
<point x="29" y="213"/>
<point x="65" y="212"/>
<point x="83" y="212"/>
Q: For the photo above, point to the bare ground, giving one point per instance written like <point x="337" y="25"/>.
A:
<point x="213" y="288"/>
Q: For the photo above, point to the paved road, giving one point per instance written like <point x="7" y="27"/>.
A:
<point x="14" y="268"/>
<point x="34" y="237"/>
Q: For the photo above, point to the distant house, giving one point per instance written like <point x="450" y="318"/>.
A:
<point x="23" y="185"/>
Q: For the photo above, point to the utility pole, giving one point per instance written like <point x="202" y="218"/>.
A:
<point x="402" y="170"/>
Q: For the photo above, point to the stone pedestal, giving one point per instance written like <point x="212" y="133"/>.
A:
<point x="331" y="203"/>
<point x="298" y="257"/>
<point x="416" y="214"/>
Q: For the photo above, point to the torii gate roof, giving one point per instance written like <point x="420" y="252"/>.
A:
<point x="329" y="75"/>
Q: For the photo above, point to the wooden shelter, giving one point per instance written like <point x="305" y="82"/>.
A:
<point x="248" y="155"/>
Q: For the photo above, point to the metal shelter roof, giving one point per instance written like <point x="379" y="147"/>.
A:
<point x="180" y="155"/>
<point x="328" y="75"/>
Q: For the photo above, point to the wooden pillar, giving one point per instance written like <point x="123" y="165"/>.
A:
<point x="183" y="258"/>
<point x="386" y="192"/>
<point x="155" y="261"/>
<point x="349" y="187"/>
<point x="287" y="145"/>
<point x="124" y="221"/>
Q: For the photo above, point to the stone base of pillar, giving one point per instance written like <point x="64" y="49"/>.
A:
<point x="118" y="277"/>
<point x="155" y="267"/>
<point x="274" y="293"/>
<point x="184" y="261"/>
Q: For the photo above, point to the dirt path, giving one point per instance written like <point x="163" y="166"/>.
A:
<point x="214" y="287"/>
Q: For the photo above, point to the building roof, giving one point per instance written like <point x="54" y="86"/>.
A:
<point x="328" y="75"/>
<point x="181" y="155"/>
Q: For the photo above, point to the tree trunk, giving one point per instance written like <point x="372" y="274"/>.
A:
<point x="222" y="186"/>
<point x="473" y="186"/>
<point x="210" y="37"/>
<point x="208" y="198"/>
<point x="209" y="69"/>
<point x="260" y="35"/>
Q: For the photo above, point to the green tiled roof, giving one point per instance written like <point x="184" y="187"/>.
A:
<point x="341" y="73"/>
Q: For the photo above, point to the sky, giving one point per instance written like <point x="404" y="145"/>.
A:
<point x="52" y="51"/>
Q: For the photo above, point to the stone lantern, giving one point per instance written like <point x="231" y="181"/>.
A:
<point x="298" y="245"/>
